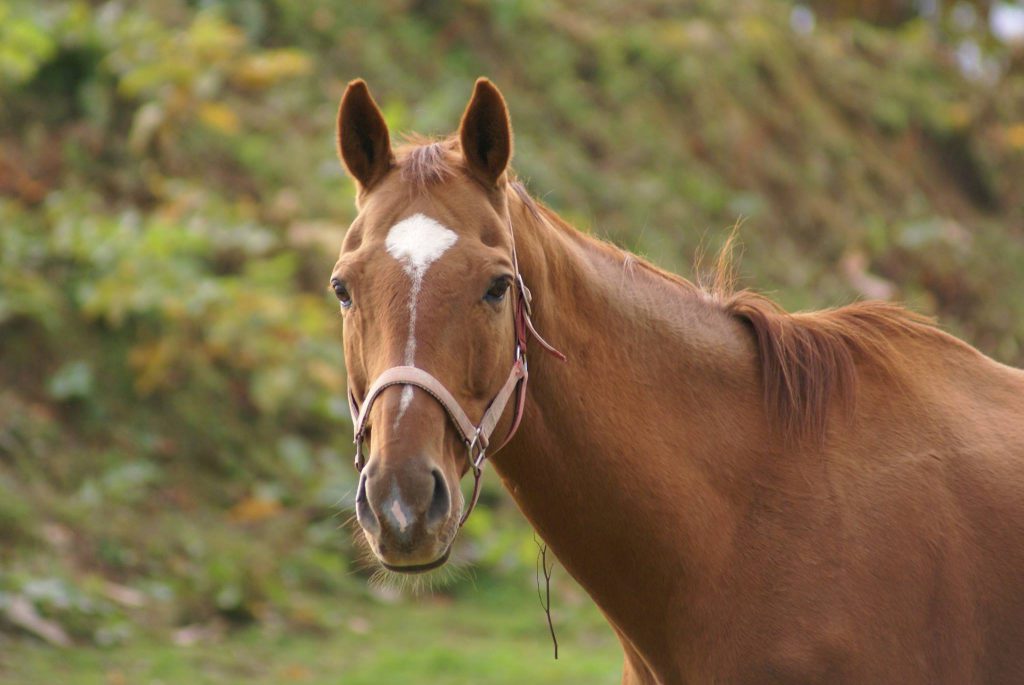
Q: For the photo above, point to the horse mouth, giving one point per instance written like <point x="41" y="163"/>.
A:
<point x="419" y="568"/>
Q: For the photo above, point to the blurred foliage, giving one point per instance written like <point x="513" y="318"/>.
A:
<point x="174" y="440"/>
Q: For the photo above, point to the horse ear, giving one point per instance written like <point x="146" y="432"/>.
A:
<point x="364" y="144"/>
<point x="486" y="133"/>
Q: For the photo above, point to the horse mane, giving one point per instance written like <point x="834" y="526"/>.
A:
<point x="810" y="359"/>
<point x="807" y="360"/>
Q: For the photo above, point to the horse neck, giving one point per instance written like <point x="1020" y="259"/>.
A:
<point x="629" y="452"/>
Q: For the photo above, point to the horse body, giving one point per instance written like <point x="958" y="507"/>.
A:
<point x="748" y="495"/>
<point x="892" y="551"/>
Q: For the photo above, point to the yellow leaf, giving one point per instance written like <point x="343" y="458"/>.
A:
<point x="253" y="509"/>
<point x="959" y="114"/>
<point x="147" y="121"/>
<point x="152" y="363"/>
<point x="265" y="69"/>
<point x="296" y="673"/>
<point x="219" y="117"/>
<point x="1015" y="136"/>
<point x="328" y="375"/>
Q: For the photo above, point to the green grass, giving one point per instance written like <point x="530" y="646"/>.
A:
<point x="484" y="636"/>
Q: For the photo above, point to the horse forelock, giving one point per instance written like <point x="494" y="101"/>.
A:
<point x="425" y="161"/>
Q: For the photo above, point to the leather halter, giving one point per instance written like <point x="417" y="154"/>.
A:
<point x="475" y="436"/>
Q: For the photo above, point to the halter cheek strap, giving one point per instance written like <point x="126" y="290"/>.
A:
<point x="476" y="436"/>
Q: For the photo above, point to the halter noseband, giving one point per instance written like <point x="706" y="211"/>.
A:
<point x="476" y="437"/>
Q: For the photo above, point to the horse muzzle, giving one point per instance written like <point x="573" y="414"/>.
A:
<point x="408" y="514"/>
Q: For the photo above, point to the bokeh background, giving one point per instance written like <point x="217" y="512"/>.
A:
<point x="175" y="457"/>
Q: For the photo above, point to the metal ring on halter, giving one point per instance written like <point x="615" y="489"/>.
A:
<point x="476" y="462"/>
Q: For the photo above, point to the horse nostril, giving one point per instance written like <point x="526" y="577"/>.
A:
<point x="440" y="501"/>
<point x="361" y="489"/>
<point x="364" y="512"/>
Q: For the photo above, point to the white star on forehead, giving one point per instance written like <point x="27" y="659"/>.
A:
<point x="416" y="242"/>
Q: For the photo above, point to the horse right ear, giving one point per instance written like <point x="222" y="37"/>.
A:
<point x="364" y="144"/>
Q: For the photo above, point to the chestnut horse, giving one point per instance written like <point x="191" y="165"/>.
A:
<point x="749" y="495"/>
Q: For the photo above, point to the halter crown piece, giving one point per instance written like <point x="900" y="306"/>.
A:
<point x="476" y="436"/>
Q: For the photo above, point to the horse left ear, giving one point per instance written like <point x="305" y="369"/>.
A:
<point x="486" y="134"/>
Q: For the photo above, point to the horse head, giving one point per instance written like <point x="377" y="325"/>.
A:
<point x="429" y="291"/>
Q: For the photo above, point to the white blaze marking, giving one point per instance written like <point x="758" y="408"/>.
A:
<point x="416" y="242"/>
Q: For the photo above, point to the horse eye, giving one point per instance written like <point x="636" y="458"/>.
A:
<point x="496" y="293"/>
<point x="341" y="292"/>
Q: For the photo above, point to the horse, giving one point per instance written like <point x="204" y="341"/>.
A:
<point x="748" y="495"/>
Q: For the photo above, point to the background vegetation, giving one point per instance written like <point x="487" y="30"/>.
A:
<point x="175" y="469"/>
